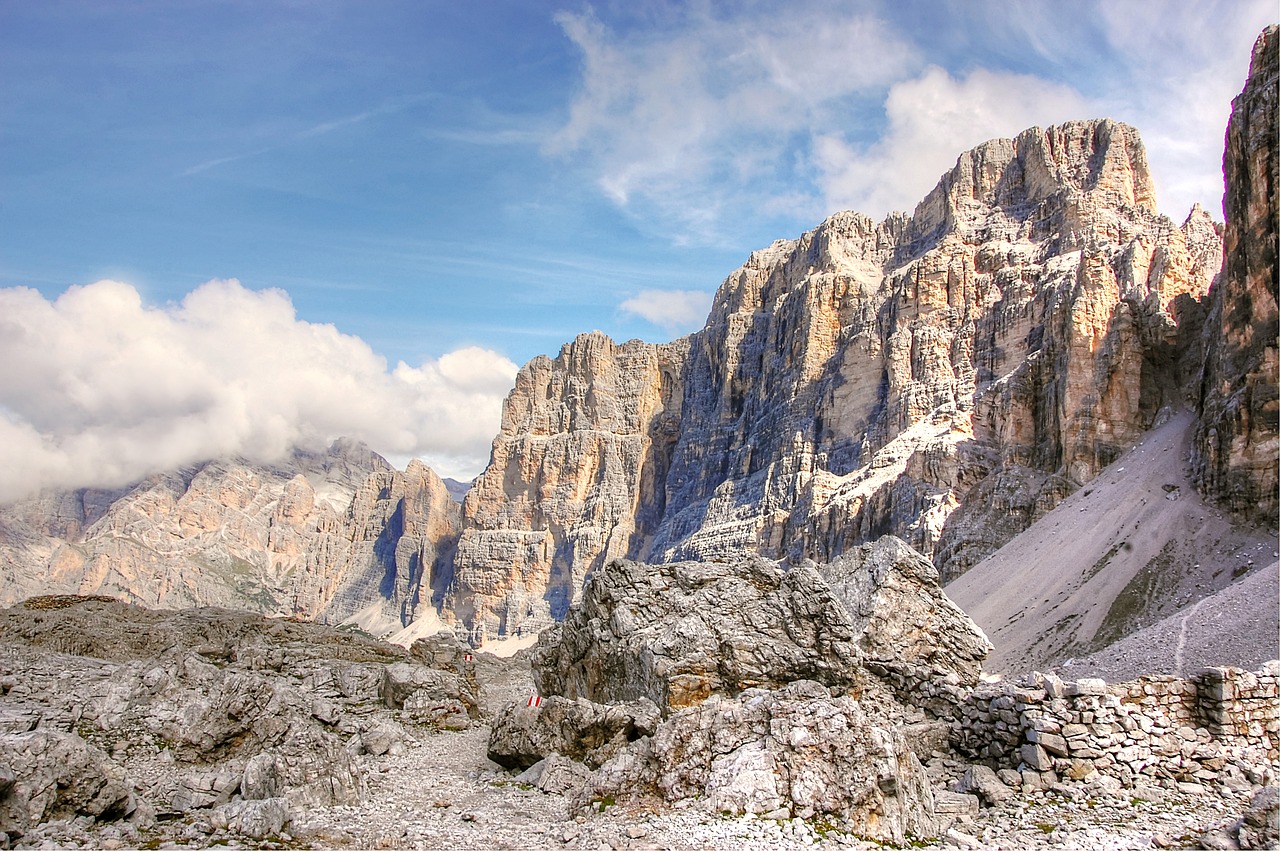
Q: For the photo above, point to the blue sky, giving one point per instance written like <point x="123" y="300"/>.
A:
<point x="461" y="186"/>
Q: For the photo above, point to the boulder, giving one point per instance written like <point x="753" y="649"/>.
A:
<point x="982" y="781"/>
<point x="258" y="819"/>
<point x="588" y="732"/>
<point x="53" y="775"/>
<point x="431" y="696"/>
<point x="678" y="633"/>
<point x="556" y="775"/>
<point x="795" y="751"/>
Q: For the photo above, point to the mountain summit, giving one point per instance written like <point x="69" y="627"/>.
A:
<point x="945" y="377"/>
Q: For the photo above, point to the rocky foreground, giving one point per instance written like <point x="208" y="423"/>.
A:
<point x="693" y="705"/>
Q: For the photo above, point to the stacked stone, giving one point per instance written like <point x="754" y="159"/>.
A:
<point x="1220" y="728"/>
<point x="1239" y="704"/>
<point x="988" y="725"/>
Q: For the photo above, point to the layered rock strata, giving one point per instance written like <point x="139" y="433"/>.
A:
<point x="945" y="377"/>
<point x="1238" y="437"/>
<point x="321" y="536"/>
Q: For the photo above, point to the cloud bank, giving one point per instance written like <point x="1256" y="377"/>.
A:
<point x="100" y="390"/>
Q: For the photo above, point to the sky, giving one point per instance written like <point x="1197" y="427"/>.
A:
<point x="228" y="228"/>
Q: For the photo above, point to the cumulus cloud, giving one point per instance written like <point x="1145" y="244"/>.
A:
<point x="100" y="389"/>
<point x="671" y="310"/>
<point x="932" y="119"/>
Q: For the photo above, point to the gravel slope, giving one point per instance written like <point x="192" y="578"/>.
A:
<point x="1129" y="550"/>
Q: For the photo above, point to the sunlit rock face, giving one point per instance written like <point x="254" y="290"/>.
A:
<point x="1236" y="442"/>
<point x="319" y="536"/>
<point x="945" y="377"/>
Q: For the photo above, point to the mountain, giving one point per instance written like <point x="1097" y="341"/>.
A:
<point x="946" y="377"/>
<point x="1237" y="440"/>
<point x="1141" y="572"/>
<point x="322" y="536"/>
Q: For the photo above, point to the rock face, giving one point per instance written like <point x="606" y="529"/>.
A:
<point x="1237" y="440"/>
<point x="945" y="377"/>
<point x="773" y="687"/>
<point x="797" y="750"/>
<point x="576" y="479"/>
<point x="108" y="711"/>
<point x="322" y="536"/>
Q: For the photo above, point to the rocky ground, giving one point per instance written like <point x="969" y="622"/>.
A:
<point x="437" y="790"/>
<point x="202" y="730"/>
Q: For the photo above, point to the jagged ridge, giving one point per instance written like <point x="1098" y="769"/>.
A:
<point x="992" y="351"/>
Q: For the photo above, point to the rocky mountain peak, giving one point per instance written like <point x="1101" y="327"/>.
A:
<point x="999" y="347"/>
<point x="1099" y="158"/>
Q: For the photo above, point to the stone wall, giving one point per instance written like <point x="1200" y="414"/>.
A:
<point x="1209" y="729"/>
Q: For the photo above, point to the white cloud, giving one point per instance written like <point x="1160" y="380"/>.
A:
<point x="1186" y="65"/>
<point x="100" y="390"/>
<point x="724" y="113"/>
<point x="682" y="122"/>
<point x="932" y="120"/>
<point x="672" y="310"/>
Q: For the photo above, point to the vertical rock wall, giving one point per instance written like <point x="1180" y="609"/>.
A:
<point x="1237" y="442"/>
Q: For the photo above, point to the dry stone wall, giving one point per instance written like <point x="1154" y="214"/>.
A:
<point x="1211" y="729"/>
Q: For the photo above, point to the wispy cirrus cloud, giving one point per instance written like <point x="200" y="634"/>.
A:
<point x="722" y="115"/>
<point x="686" y="122"/>
<point x="321" y="129"/>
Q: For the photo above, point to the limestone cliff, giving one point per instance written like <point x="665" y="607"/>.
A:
<point x="944" y="377"/>
<point x="1237" y="441"/>
<point x="576" y="479"/>
<point x="320" y="535"/>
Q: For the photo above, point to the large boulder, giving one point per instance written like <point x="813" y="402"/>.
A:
<point x="796" y="751"/>
<point x="522" y="735"/>
<point x="49" y="774"/>
<point x="678" y="633"/>
<point x="908" y="631"/>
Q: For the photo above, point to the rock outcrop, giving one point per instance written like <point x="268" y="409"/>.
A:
<point x="109" y="711"/>
<point x="1238" y="438"/>
<point x="321" y="536"/>
<point x="909" y="632"/>
<point x="794" y="751"/>
<point x="675" y="634"/>
<point x="945" y="377"/>
<point x="746" y="688"/>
